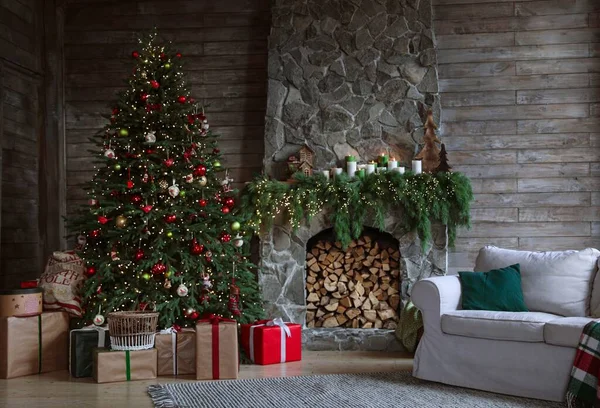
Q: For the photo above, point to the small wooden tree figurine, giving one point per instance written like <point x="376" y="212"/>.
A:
<point x="444" y="166"/>
<point x="430" y="154"/>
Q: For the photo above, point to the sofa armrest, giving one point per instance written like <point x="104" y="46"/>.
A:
<point x="436" y="296"/>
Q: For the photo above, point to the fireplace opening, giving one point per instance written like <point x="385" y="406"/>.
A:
<point x="356" y="287"/>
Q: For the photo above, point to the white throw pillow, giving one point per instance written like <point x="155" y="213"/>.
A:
<point x="558" y="282"/>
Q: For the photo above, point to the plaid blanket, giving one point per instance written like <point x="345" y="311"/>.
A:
<point x="583" y="391"/>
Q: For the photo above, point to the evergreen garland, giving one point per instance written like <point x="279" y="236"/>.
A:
<point x="422" y="198"/>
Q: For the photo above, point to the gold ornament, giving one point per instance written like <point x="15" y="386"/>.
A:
<point x="163" y="184"/>
<point x="121" y="221"/>
<point x="202" y="181"/>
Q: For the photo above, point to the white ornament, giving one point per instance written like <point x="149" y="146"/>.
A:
<point x="189" y="178"/>
<point x="238" y="241"/>
<point x="151" y="137"/>
<point x="81" y="240"/>
<point x="174" y="191"/>
<point x="92" y="202"/>
<point x="182" y="290"/>
<point x="202" y="181"/>
<point x="98" y="320"/>
<point x="205" y="125"/>
<point x="109" y="153"/>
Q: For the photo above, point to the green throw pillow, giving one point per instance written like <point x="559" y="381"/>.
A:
<point x="497" y="290"/>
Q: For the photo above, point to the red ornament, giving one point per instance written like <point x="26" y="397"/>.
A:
<point x="225" y="237"/>
<point x="159" y="268"/>
<point x="149" y="151"/>
<point x="102" y="219"/>
<point x="169" y="162"/>
<point x="95" y="233"/>
<point x="136" y="199"/>
<point x="115" y="111"/>
<point x="114" y="193"/>
<point x="90" y="270"/>
<point x="225" y="209"/>
<point x="196" y="248"/>
<point x="170" y="218"/>
<point x="194" y="316"/>
<point x="130" y="184"/>
<point x="229" y="202"/>
<point x="178" y="55"/>
<point x="200" y="170"/>
<point x="135" y="54"/>
<point x="146" y="208"/>
<point x="139" y="255"/>
<point x="203" y="202"/>
<point x="234" y="299"/>
<point x="144" y="96"/>
<point x="162" y="56"/>
<point x="154" y="84"/>
<point x="216" y="151"/>
<point x="203" y="214"/>
<point x="182" y="99"/>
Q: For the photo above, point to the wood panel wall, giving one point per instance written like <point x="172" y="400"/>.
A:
<point x="224" y="44"/>
<point x="21" y="73"/>
<point x="520" y="83"/>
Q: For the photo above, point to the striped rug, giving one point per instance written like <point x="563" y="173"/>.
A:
<point x="377" y="390"/>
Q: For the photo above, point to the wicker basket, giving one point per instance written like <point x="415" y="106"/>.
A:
<point x="132" y="330"/>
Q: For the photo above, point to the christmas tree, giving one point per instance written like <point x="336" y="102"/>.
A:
<point x="159" y="231"/>
<point x="430" y="154"/>
<point x="444" y="165"/>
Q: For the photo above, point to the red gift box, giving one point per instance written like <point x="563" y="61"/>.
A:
<point x="272" y="341"/>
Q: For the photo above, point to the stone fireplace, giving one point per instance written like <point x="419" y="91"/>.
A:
<point x="346" y="77"/>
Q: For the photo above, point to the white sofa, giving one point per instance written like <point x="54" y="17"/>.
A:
<point x="528" y="354"/>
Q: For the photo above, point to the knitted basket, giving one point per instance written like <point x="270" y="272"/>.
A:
<point x="132" y="330"/>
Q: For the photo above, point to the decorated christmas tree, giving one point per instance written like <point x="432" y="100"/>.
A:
<point x="159" y="231"/>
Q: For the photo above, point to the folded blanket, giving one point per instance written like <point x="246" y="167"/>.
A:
<point x="582" y="391"/>
<point x="410" y="328"/>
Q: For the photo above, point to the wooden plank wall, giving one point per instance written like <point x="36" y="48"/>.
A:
<point x="520" y="83"/>
<point x="21" y="74"/>
<point x="225" y="47"/>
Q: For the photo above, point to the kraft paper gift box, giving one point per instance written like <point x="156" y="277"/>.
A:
<point x="82" y="343"/>
<point x="32" y="345"/>
<point x="217" y="354"/>
<point x="272" y="341"/>
<point x="115" y="366"/>
<point x="176" y="352"/>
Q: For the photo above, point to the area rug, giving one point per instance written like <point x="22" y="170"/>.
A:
<point x="377" y="390"/>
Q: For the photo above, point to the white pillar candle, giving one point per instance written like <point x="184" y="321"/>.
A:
<point x="326" y="174"/>
<point x="337" y="171"/>
<point x="417" y="166"/>
<point x="392" y="164"/>
<point x="400" y="169"/>
<point x="370" y="168"/>
<point x="351" y="168"/>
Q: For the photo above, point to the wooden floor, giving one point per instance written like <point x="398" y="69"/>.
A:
<point x="58" y="390"/>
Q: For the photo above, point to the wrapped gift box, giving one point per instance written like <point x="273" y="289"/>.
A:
<point x="115" y="366"/>
<point x="32" y="345"/>
<point x="217" y="354"/>
<point x="176" y="352"/>
<point x="82" y="343"/>
<point x="272" y="341"/>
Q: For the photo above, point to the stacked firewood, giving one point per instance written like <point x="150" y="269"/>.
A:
<point x="357" y="288"/>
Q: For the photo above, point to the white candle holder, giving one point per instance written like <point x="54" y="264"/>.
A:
<point x="392" y="164"/>
<point x="400" y="169"/>
<point x="337" y="171"/>
<point x="370" y="168"/>
<point x="326" y="174"/>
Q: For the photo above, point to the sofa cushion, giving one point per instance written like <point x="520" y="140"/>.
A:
<point x="498" y="289"/>
<point x="557" y="282"/>
<point x="483" y="324"/>
<point x="565" y="331"/>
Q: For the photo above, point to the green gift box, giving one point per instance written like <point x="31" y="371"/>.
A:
<point x="82" y="343"/>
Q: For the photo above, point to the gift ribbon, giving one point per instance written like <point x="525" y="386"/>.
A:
<point x="39" y="344"/>
<point x="214" y="321"/>
<point x="285" y="332"/>
<point x="127" y="366"/>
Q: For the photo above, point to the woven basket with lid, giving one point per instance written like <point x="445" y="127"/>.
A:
<point x="132" y="330"/>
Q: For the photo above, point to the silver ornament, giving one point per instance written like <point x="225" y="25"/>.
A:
<point x="151" y="137"/>
<point x="174" y="191"/>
